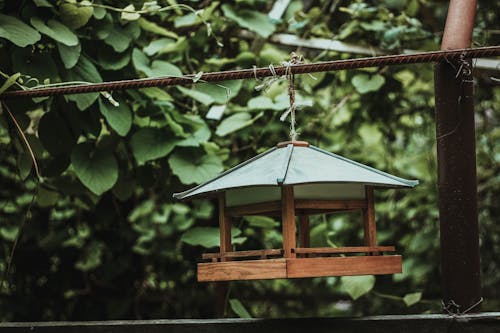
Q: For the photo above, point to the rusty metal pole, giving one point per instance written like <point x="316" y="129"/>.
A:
<point x="455" y="135"/>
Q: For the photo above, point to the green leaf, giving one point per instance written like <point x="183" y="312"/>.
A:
<point x="11" y="80"/>
<point x="129" y="13"/>
<point x="75" y="16"/>
<point x="55" y="133"/>
<point x="413" y="298"/>
<point x="208" y="237"/>
<point x="163" y="68"/>
<point x="9" y="232"/>
<point x="118" y="40"/>
<point x="156" y="45"/>
<point x="118" y="117"/>
<point x="91" y="258"/>
<point x="357" y="286"/>
<point x="43" y="3"/>
<point x="157" y="67"/>
<point x="235" y="122"/>
<point x="156" y="29"/>
<point x="238" y="308"/>
<point x="55" y="30"/>
<point x="97" y="169"/>
<point x="151" y="143"/>
<point x="364" y="83"/>
<point x="195" y="169"/>
<point x="263" y="103"/>
<point x="84" y="71"/>
<point x="201" y="135"/>
<point x="222" y="92"/>
<point x="17" y="31"/>
<point x="201" y="97"/>
<point x="250" y="19"/>
<point x="112" y="61"/>
<point x="69" y="54"/>
<point x="261" y="222"/>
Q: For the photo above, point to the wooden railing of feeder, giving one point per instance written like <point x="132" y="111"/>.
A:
<point x="292" y="261"/>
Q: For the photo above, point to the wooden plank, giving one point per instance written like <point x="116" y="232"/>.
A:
<point x="330" y="204"/>
<point x="369" y="219"/>
<point x="304" y="231"/>
<point x="350" y="249"/>
<point x="270" y="208"/>
<point x="242" y="270"/>
<point x="288" y="221"/>
<point x="242" y="254"/>
<point x="342" y="266"/>
<point x="224" y="226"/>
<point x="485" y="322"/>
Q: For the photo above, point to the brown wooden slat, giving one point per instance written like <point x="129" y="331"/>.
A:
<point x="330" y="204"/>
<point x="369" y="219"/>
<point x="288" y="221"/>
<point x="350" y="249"/>
<point x="242" y="270"/>
<point x="273" y="208"/>
<point x="304" y="231"/>
<point x="224" y="226"/>
<point x="342" y="266"/>
<point x="242" y="254"/>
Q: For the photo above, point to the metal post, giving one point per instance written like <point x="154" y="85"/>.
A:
<point x="455" y="135"/>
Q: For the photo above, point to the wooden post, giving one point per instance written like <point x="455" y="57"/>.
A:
<point x="224" y="226"/>
<point x="304" y="232"/>
<point x="288" y="220"/>
<point x="369" y="218"/>
<point x="456" y="152"/>
<point x="221" y="288"/>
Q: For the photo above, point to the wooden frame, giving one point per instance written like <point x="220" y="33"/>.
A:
<point x="298" y="268"/>
<point x="303" y="261"/>
<point x="224" y="227"/>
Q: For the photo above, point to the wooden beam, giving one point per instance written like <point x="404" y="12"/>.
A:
<point x="330" y="204"/>
<point x="224" y="226"/>
<point x="341" y="266"/>
<point x="369" y="218"/>
<point x="304" y="231"/>
<point x="242" y="270"/>
<point x="272" y="207"/>
<point x="347" y="249"/>
<point x="456" y="157"/>
<point x="288" y="220"/>
<point x="243" y="254"/>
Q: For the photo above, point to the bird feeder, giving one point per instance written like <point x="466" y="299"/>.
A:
<point x="295" y="180"/>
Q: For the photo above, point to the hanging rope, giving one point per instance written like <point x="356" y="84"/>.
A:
<point x="295" y="60"/>
<point x="259" y="72"/>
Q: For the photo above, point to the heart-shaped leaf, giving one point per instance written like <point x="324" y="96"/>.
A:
<point x="151" y="143"/>
<point x="413" y="298"/>
<point x="364" y="83"/>
<point x="118" y="117"/>
<point x="195" y="169"/>
<point x="357" y="286"/>
<point x="97" y="169"/>
<point x="75" y="16"/>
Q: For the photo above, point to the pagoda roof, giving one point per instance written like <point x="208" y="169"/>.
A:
<point x="296" y="163"/>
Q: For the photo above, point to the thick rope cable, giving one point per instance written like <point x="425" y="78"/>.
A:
<point x="402" y="59"/>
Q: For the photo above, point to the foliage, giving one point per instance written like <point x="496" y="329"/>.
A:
<point x="104" y="239"/>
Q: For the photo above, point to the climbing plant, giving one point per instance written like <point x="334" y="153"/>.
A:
<point x="88" y="225"/>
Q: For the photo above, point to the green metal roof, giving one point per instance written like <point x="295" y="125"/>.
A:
<point x="296" y="165"/>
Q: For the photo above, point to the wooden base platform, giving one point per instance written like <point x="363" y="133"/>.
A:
<point x="283" y="268"/>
